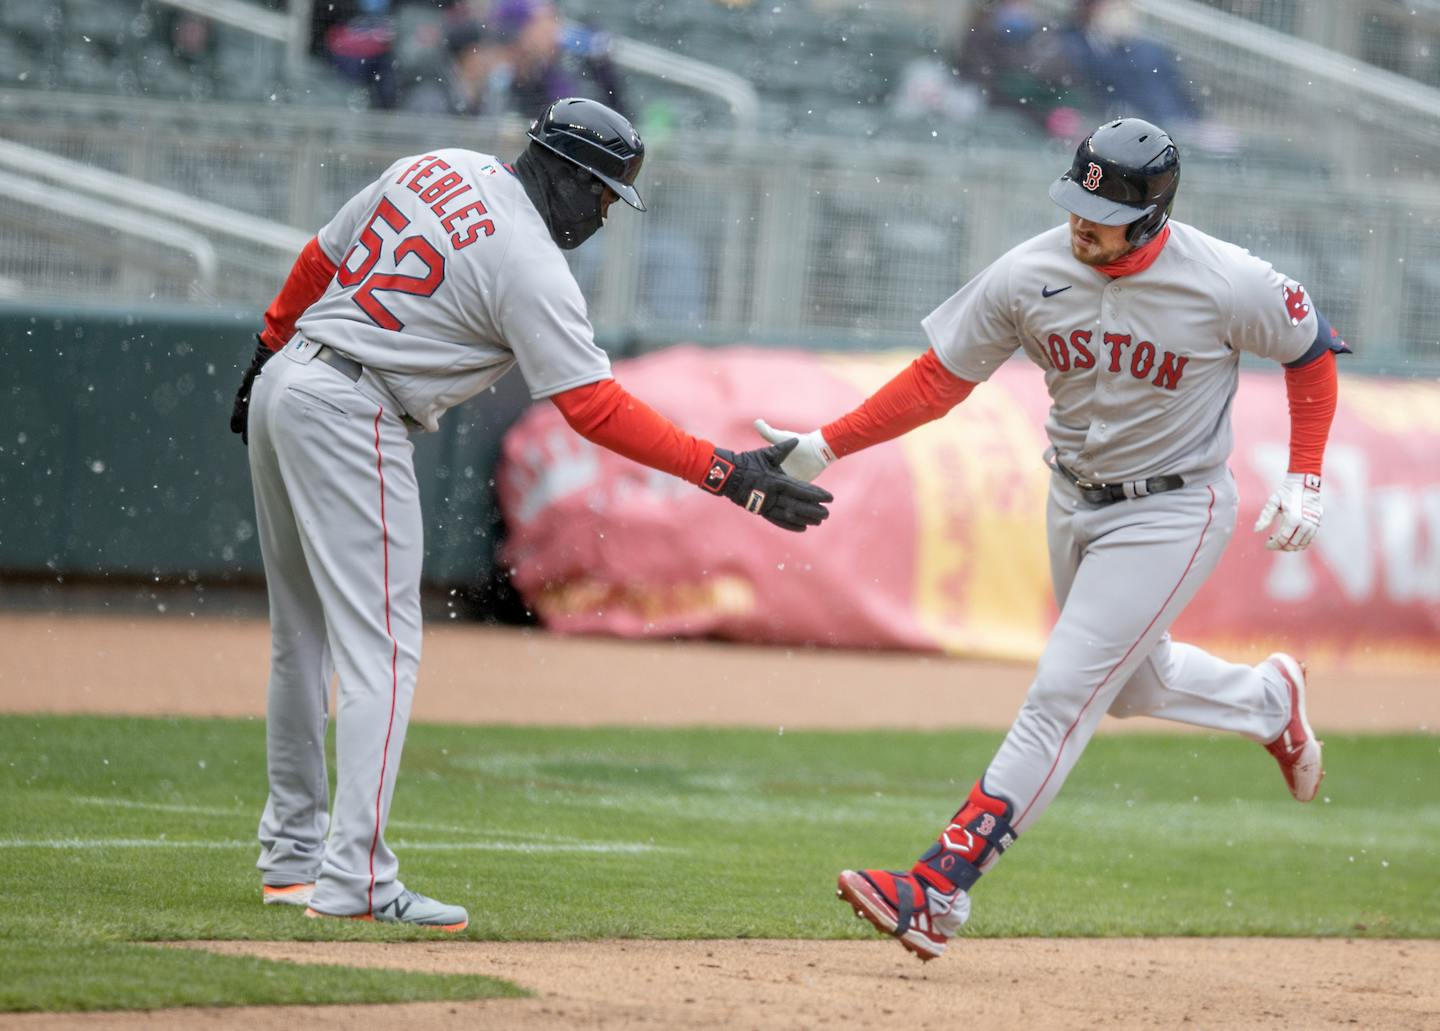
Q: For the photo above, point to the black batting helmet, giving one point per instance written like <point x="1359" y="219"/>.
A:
<point x="598" y="139"/>
<point x="1125" y="173"/>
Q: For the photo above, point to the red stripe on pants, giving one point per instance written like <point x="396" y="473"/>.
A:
<point x="394" y="677"/>
<point x="1209" y="513"/>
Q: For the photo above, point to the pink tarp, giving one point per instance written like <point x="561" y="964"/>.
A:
<point x="937" y="540"/>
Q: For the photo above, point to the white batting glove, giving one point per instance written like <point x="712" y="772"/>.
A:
<point x="809" y="459"/>
<point x="1295" y="511"/>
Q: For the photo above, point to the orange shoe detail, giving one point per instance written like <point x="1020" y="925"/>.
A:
<point x="315" y="914"/>
<point x="287" y="894"/>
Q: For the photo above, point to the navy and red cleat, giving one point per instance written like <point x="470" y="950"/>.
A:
<point x="897" y="904"/>
<point x="1296" y="749"/>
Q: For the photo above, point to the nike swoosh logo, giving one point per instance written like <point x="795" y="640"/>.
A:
<point x="1045" y="291"/>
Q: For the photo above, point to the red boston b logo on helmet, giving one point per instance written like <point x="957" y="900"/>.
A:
<point x="1092" y="177"/>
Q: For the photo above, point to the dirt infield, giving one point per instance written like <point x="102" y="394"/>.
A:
<point x="175" y="665"/>
<point x="1039" y="985"/>
<point x="181" y="666"/>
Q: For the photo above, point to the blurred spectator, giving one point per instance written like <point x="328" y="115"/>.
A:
<point x="1124" y="72"/>
<point x="550" y="60"/>
<point x="1006" y="50"/>
<point x="517" y="56"/>
<point x="362" y="47"/>
<point x="195" y="45"/>
<point x="192" y="38"/>
<point x="996" y="54"/>
<point x="476" y="82"/>
<point x="930" y="90"/>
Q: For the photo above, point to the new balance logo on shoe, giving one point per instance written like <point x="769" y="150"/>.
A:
<point x="410" y="907"/>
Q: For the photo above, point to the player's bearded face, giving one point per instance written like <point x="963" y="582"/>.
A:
<point x="1095" y="244"/>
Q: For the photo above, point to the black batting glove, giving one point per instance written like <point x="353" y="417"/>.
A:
<point x="755" y="482"/>
<point x="240" y="413"/>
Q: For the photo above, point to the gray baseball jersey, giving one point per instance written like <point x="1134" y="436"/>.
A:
<point x="1141" y="369"/>
<point x="447" y="278"/>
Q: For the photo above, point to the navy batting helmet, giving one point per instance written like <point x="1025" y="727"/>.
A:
<point x="1125" y="173"/>
<point x="598" y="139"/>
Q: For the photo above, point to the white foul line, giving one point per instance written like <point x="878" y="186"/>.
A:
<point x="597" y="847"/>
<point x="159" y="807"/>
<point x="414" y="825"/>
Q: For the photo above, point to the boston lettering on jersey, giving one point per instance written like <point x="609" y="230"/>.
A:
<point x="450" y="186"/>
<point x="1140" y="359"/>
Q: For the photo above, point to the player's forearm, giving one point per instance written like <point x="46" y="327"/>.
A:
<point x="308" y="278"/>
<point x="1312" y="390"/>
<point x="605" y="413"/>
<point x="922" y="393"/>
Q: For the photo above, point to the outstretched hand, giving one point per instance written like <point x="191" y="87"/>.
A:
<point x="755" y="481"/>
<point x="811" y="455"/>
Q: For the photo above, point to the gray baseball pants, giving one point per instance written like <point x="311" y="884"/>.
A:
<point x="1122" y="573"/>
<point x="338" y="516"/>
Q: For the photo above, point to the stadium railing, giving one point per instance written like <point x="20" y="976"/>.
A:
<point x="73" y="192"/>
<point x="812" y="241"/>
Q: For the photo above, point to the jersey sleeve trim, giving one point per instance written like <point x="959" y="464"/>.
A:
<point x="596" y="376"/>
<point x="1327" y="341"/>
<point x="937" y="351"/>
<point x="334" y="259"/>
<point x="979" y="368"/>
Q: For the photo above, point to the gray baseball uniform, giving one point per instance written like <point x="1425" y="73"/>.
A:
<point x="447" y="276"/>
<point x="1115" y="353"/>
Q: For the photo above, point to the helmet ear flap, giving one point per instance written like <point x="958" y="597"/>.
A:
<point x="1126" y="172"/>
<point x="1146" y="229"/>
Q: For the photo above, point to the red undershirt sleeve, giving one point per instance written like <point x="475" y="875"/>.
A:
<point x="605" y="413"/>
<point x="922" y="393"/>
<point x="308" y="278"/>
<point x="1312" y="390"/>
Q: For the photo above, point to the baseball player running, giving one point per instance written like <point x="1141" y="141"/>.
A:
<point x="1138" y="322"/>
<point x="423" y="290"/>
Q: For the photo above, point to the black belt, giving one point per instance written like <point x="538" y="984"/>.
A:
<point x="353" y="370"/>
<point x="347" y="366"/>
<point x="1108" y="493"/>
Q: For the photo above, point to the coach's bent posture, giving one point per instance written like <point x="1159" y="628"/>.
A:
<point x="1138" y="323"/>
<point x="425" y="289"/>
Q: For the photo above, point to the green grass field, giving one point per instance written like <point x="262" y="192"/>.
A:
<point x="124" y="831"/>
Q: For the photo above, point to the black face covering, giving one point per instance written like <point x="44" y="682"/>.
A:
<point x="566" y="195"/>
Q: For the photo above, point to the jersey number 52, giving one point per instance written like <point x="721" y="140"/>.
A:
<point x="372" y="282"/>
